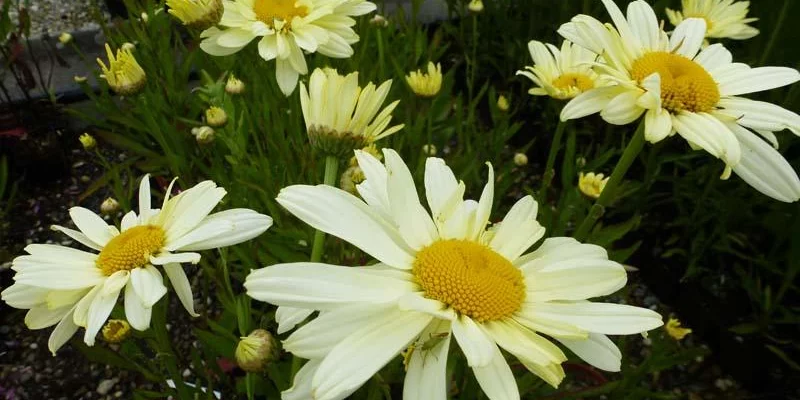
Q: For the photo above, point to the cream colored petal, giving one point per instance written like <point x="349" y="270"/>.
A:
<point x="92" y="225"/>
<point x="496" y="378"/>
<point x="477" y="346"/>
<point x="180" y="283"/>
<point x="764" y="168"/>
<point x="288" y="317"/>
<point x="412" y="220"/>
<point x="597" y="350"/>
<point x="427" y="367"/>
<point x="148" y="284"/>
<point x="135" y="311"/>
<point x="519" y="230"/>
<point x="606" y="318"/>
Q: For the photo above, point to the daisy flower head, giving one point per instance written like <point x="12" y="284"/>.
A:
<point x="341" y="116"/>
<point x="426" y="84"/>
<point x="441" y="275"/>
<point x="73" y="288"/>
<point x="198" y="14"/>
<point x="286" y="29"/>
<point x="725" y="19"/>
<point x="682" y="89"/>
<point x="560" y="73"/>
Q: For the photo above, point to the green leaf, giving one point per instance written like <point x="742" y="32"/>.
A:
<point x="783" y="356"/>
<point x="220" y="345"/>
<point x="745" y="328"/>
<point x="606" y="236"/>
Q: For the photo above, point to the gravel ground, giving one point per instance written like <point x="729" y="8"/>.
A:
<point x="55" y="16"/>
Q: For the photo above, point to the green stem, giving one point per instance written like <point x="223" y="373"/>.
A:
<point x="549" y="172"/>
<point x="628" y="156"/>
<point x="331" y="169"/>
<point x="164" y="348"/>
<point x="775" y="32"/>
<point x="379" y="37"/>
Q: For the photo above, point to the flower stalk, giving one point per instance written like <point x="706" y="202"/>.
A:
<point x="607" y="196"/>
<point x="331" y="171"/>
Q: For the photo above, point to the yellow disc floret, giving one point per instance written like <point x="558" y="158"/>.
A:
<point x="131" y="249"/>
<point x="572" y="80"/>
<point x="471" y="278"/>
<point x="685" y="85"/>
<point x="267" y="11"/>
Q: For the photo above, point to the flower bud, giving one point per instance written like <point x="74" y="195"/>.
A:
<point x="65" y="38"/>
<point x="502" y="103"/>
<point x="379" y="21"/>
<point x="88" y="141"/>
<point x="200" y="14"/>
<point x="116" y="330"/>
<point x="351" y="177"/>
<point x="674" y="329"/>
<point x="255" y="350"/>
<point x="426" y="84"/>
<point x="109" y="206"/>
<point x="234" y="85"/>
<point x="591" y="184"/>
<point x="520" y="159"/>
<point x="429" y="149"/>
<point x="216" y="117"/>
<point x="475" y="6"/>
<point x="79" y="79"/>
<point x="203" y="134"/>
<point x="123" y="74"/>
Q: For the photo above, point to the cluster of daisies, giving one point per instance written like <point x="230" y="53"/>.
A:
<point x="675" y="83"/>
<point x="441" y="272"/>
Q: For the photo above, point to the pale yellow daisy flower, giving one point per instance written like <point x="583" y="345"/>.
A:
<point x="287" y="29"/>
<point x="682" y="89"/>
<point x="440" y="275"/>
<point x="560" y="73"/>
<point x="725" y="19"/>
<point x="426" y="84"/>
<point x="72" y="288"/>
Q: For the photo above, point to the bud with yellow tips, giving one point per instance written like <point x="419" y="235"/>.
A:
<point x="502" y="103"/>
<point x="123" y="74"/>
<point x="475" y="6"/>
<point x="234" y="85"/>
<point x="255" y="350"/>
<point x="64" y="38"/>
<point x="591" y="184"/>
<point x="88" y="141"/>
<point x="674" y="329"/>
<point x="426" y="84"/>
<point x="216" y="117"/>
<point x="197" y="14"/>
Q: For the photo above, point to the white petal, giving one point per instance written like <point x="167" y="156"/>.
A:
<point x="427" y="368"/>
<point x="129" y="221"/>
<point x="288" y="317"/>
<point x="322" y="286"/>
<point x="135" y="311"/>
<point x="524" y="343"/>
<point x="60" y="277"/>
<point x="477" y="347"/>
<point x="223" y="229"/>
<point x="597" y="350"/>
<point x="24" y="296"/>
<point x="301" y="387"/>
<point x="148" y="284"/>
<point x="764" y="168"/>
<point x="760" y="115"/>
<point x="575" y="279"/>
<point x="92" y="225"/>
<point x="658" y="125"/>
<point x="363" y="353"/>
<point x="623" y="110"/>
<point x="62" y="333"/>
<point x="78" y="236"/>
<point x="286" y="76"/>
<point x="98" y="313"/>
<point x="713" y="57"/>
<point x="413" y="221"/>
<point x="496" y="378"/>
<point x="751" y="80"/>
<point x="688" y="37"/>
<point x="519" y="230"/>
<point x="484" y="206"/>
<point x="42" y="317"/>
<point x="145" y="210"/>
<point x="557" y="249"/>
<point x="590" y="102"/>
<point x="709" y="133"/>
<point x="180" y="283"/>
<point x="168" y="258"/>
<point x="184" y="212"/>
<point x="440" y="183"/>
<point x="341" y="214"/>
<point x="607" y="318"/>
<point x="418" y="302"/>
<point x="644" y="24"/>
<point x="319" y="336"/>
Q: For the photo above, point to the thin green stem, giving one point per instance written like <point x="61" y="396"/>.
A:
<point x="607" y="196"/>
<point x="549" y="172"/>
<point x="164" y="348"/>
<point x="379" y="38"/>
<point x="775" y="32"/>
<point x="331" y="170"/>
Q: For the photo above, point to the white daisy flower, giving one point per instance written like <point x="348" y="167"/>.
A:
<point x="680" y="88"/>
<point x="75" y="288"/>
<point x="725" y="19"/>
<point x="561" y="74"/>
<point x="287" y="28"/>
<point x="441" y="275"/>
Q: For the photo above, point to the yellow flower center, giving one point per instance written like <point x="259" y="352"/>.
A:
<point x="471" y="278"/>
<point x="267" y="11"/>
<point x="572" y="80"/>
<point x="131" y="249"/>
<point x="685" y="85"/>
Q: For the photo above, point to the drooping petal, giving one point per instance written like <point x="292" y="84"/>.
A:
<point x="288" y="317"/>
<point x="606" y="318"/>
<point x="597" y="350"/>
<point x="148" y="284"/>
<point x="92" y="225"/>
<point x="427" y="367"/>
<point x="764" y="168"/>
<point x="137" y="314"/>
<point x="476" y="345"/>
<point x="496" y="378"/>
<point x="180" y="282"/>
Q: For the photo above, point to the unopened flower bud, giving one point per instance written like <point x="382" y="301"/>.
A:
<point x="88" y="141"/>
<point x="429" y="150"/>
<point x="502" y="103"/>
<point x="592" y="184"/>
<point x="216" y="117"/>
<point x="234" y="85"/>
<point x="65" y="38"/>
<point x="203" y="134"/>
<point x="79" y="78"/>
<point x="475" y="6"/>
<point x="128" y="46"/>
<point x="203" y="14"/>
<point x="520" y="159"/>
<point x="109" y="206"/>
<point x="255" y="350"/>
<point x="379" y="21"/>
<point x="351" y="177"/>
